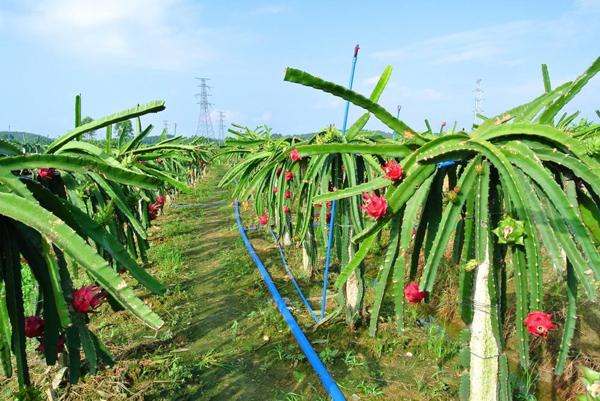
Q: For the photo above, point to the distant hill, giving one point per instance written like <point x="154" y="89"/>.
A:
<point x="151" y="140"/>
<point x="23" y="136"/>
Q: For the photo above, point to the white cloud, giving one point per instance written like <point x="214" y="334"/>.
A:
<point x="404" y="94"/>
<point x="264" y="118"/>
<point x="269" y="10"/>
<point x="487" y="44"/>
<point x="229" y="117"/>
<point x="152" y="33"/>
<point x="371" y="81"/>
<point x="588" y="5"/>
<point x="332" y="104"/>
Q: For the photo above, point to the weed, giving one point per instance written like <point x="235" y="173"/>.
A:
<point x="179" y="372"/>
<point x="278" y="350"/>
<point x="379" y="347"/>
<point x="440" y="344"/>
<point x="177" y="228"/>
<point x="234" y="330"/>
<point x="523" y="384"/>
<point x="351" y="359"/>
<point x="370" y="388"/>
<point x="213" y="359"/>
<point x="328" y="355"/>
<point x="169" y="259"/>
<point x="300" y="376"/>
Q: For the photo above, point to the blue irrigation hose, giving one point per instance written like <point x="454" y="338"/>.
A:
<point x="444" y="164"/>
<point x="261" y="227"/>
<point x="313" y="358"/>
<point x="330" y="239"/>
<point x="395" y="134"/>
<point x="293" y="279"/>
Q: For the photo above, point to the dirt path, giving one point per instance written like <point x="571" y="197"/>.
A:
<point x="233" y="344"/>
<point x="232" y="326"/>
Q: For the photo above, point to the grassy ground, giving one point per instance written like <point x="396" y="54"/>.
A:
<point x="224" y="338"/>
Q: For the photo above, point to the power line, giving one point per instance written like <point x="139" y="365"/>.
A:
<point x="205" y="126"/>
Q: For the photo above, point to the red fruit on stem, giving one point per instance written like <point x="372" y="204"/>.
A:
<point x="160" y="200"/>
<point x="294" y="155"/>
<point x="392" y="171"/>
<point x="61" y="344"/>
<point x="159" y="160"/>
<point x="329" y="204"/>
<point x="34" y="326"/>
<point x="412" y="293"/>
<point x="264" y="219"/>
<point x="286" y="209"/>
<point x="274" y="190"/>
<point x="444" y="124"/>
<point x="287" y="194"/>
<point x="153" y="208"/>
<point x="328" y="217"/>
<point x="87" y="299"/>
<point x="46" y="172"/>
<point x="318" y="204"/>
<point x="279" y="171"/>
<point x="375" y="206"/>
<point x="288" y="176"/>
<point x="538" y="323"/>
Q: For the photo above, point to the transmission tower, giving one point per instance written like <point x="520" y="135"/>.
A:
<point x="221" y="125"/>
<point x="478" y="100"/>
<point x="205" y="127"/>
<point x="166" y="126"/>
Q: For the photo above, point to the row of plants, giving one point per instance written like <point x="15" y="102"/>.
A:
<point x="519" y="185"/>
<point x="75" y="211"/>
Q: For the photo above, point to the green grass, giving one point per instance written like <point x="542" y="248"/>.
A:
<point x="225" y="339"/>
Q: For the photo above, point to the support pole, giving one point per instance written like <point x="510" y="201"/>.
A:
<point x="332" y="221"/>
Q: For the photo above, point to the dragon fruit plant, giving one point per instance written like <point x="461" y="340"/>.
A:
<point x="521" y="181"/>
<point x="270" y="164"/>
<point x="75" y="206"/>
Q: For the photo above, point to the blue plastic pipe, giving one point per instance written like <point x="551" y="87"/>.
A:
<point x="328" y="382"/>
<point x="332" y="221"/>
<point x="395" y="134"/>
<point x="261" y="227"/>
<point x="444" y="164"/>
<point x="293" y="279"/>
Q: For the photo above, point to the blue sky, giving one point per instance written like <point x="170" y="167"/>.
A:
<point x="120" y="53"/>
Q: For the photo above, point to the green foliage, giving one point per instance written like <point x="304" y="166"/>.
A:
<point x="591" y="380"/>
<point x="540" y="174"/>
<point x="70" y="207"/>
<point x="510" y="231"/>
